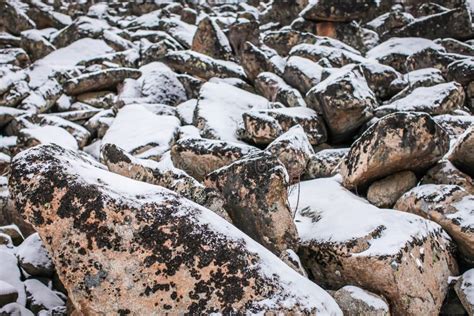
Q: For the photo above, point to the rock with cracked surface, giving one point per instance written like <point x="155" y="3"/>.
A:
<point x="107" y="232"/>
<point x="395" y="254"/>
<point x="255" y="190"/>
<point x="399" y="141"/>
<point x="450" y="206"/>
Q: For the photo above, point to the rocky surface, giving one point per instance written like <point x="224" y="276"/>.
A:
<point x="236" y="157"/>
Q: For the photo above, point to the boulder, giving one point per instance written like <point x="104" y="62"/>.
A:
<point x="202" y="66"/>
<point x="444" y="98"/>
<point x="294" y="150"/>
<point x="430" y="57"/>
<point x="345" y="101"/>
<point x="255" y="190"/>
<point x="35" y="135"/>
<point x="42" y="98"/>
<point x="386" y="23"/>
<point x="99" y="80"/>
<point x="450" y="206"/>
<point x="275" y="88"/>
<point x="397" y="142"/>
<point x="137" y="130"/>
<point x="337" y="56"/>
<point x="454" y="46"/>
<point x="33" y="257"/>
<point x="462" y="152"/>
<point x="161" y="252"/>
<point x="210" y="40"/>
<point x="163" y="174"/>
<point x="8" y="294"/>
<point x="385" y="192"/>
<point x="327" y="10"/>
<point x="302" y="73"/>
<point x="444" y="172"/>
<point x="379" y="77"/>
<point x="256" y="59"/>
<point x="40" y="297"/>
<point x="35" y="44"/>
<point x="222" y="122"/>
<point x="395" y="51"/>
<point x="425" y="77"/>
<point x="354" y="300"/>
<point x="395" y="254"/>
<point x="243" y="31"/>
<point x="284" y="39"/>
<point x="464" y="289"/>
<point x="200" y="156"/>
<point x="16" y="309"/>
<point x="13" y="17"/>
<point x="82" y="27"/>
<point x="10" y="273"/>
<point x="264" y="126"/>
<point x="324" y="163"/>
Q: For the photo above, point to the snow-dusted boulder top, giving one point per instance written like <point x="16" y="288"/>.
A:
<point x="164" y="253"/>
<point x="346" y="240"/>
<point x="136" y="130"/>
<point x="220" y="107"/>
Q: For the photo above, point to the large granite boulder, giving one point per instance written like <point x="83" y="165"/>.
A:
<point x="125" y="246"/>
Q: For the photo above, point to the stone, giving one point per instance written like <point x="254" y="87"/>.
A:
<point x="386" y="23"/>
<point x="43" y="97"/>
<point x="153" y="131"/>
<point x="454" y="46"/>
<point x="302" y="73"/>
<point x="391" y="253"/>
<point x="200" y="156"/>
<point x="327" y="10"/>
<point x="14" y="57"/>
<point x="256" y="59"/>
<point x="284" y="39"/>
<point x="444" y="172"/>
<point x="35" y="135"/>
<point x="431" y="58"/>
<point x="276" y="89"/>
<point x="264" y="126"/>
<point x="385" y="192"/>
<point x="242" y="31"/>
<point x="294" y="150"/>
<point x="10" y="273"/>
<point x="121" y="217"/>
<point x="40" y="297"/>
<point x="395" y="51"/>
<point x="34" y="258"/>
<point x="397" y="142"/>
<point x="82" y="27"/>
<point x="13" y="232"/>
<point x="35" y="44"/>
<point x="162" y="174"/>
<point x="448" y="205"/>
<point x="462" y="152"/>
<point x="210" y="40"/>
<point x="379" y="77"/>
<point x="255" y="190"/>
<point x="464" y="290"/>
<point x="444" y="98"/>
<point x="354" y="300"/>
<point x="202" y="66"/>
<point x="15" y="309"/>
<point x="99" y="80"/>
<point x="425" y="77"/>
<point x="345" y="101"/>
<point x="13" y="17"/>
<point x="8" y="294"/>
<point x="324" y="163"/>
<point x="337" y="57"/>
<point x="216" y="121"/>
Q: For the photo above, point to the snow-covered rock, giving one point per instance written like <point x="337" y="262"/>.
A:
<point x="33" y="257"/>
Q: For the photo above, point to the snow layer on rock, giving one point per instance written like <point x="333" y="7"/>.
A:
<point x="135" y="129"/>
<point x="51" y="135"/>
<point x="368" y="298"/>
<point x="66" y="58"/>
<point x="10" y="273"/>
<point x="31" y="251"/>
<point x="343" y="216"/>
<point x="186" y="111"/>
<point x="467" y="285"/>
<point x="402" y="46"/>
<point x="222" y="105"/>
<point x="6" y="288"/>
<point x="41" y="295"/>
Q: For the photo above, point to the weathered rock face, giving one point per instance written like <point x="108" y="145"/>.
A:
<point x="275" y="88"/>
<point x="462" y="154"/>
<point x="440" y="99"/>
<point x="264" y="126"/>
<point x="345" y="101"/>
<point x="210" y="40"/>
<point x="385" y="192"/>
<point x="396" y="142"/>
<point x="199" y="156"/>
<point x="255" y="189"/>
<point x="99" y="80"/>
<point x="448" y="205"/>
<point x="444" y="172"/>
<point x="293" y="150"/>
<point x="120" y="162"/>
<point x="395" y="254"/>
<point x="123" y="233"/>
<point x="465" y="291"/>
<point x="354" y="300"/>
<point x="324" y="163"/>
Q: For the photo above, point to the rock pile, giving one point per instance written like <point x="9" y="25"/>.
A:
<point x="237" y="157"/>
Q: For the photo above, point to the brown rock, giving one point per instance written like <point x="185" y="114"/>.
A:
<point x="463" y="288"/>
<point x="35" y="44"/>
<point x="276" y="89"/>
<point x="462" y="153"/>
<point x="328" y="10"/>
<point x="444" y="172"/>
<point x="255" y="60"/>
<point x="356" y="301"/>
<point x="108" y="233"/>
<point x="302" y="73"/>
<point x="399" y="141"/>
<point x="385" y="192"/>
<point x="324" y="163"/>
<point x="210" y="40"/>
<point x="243" y="31"/>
